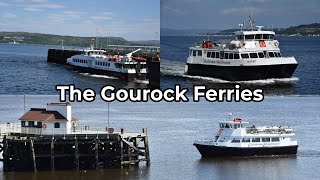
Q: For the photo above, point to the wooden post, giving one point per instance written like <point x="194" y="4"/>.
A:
<point x="52" y="154"/>
<point x="97" y="152"/>
<point x="33" y="156"/>
<point x="5" y="154"/>
<point x="76" y="153"/>
<point x="121" y="155"/>
<point x="146" y="146"/>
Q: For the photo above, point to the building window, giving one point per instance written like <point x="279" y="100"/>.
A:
<point x="23" y="123"/>
<point x="56" y="125"/>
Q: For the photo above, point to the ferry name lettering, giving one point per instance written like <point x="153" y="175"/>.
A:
<point x="214" y="61"/>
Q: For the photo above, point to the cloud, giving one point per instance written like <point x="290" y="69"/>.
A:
<point x="3" y="4"/>
<point x="65" y="15"/>
<point x="242" y="10"/>
<point x="40" y="5"/>
<point x="9" y="15"/>
<point x="103" y="16"/>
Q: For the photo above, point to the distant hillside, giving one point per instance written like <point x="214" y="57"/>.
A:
<point x="49" y="39"/>
<point x="305" y="29"/>
<point x="186" y="32"/>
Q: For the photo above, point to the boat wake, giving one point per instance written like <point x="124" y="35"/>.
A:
<point x="309" y="153"/>
<point x="176" y="69"/>
<point x="98" y="76"/>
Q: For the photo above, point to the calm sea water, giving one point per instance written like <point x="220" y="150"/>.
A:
<point x="305" y="80"/>
<point x="172" y="129"/>
<point x="24" y="70"/>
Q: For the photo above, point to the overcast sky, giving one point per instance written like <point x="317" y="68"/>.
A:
<point x="131" y="19"/>
<point x="224" y="14"/>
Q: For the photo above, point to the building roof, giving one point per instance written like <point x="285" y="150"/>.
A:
<point x="36" y="114"/>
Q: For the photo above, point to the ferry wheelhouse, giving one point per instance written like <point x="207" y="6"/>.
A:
<point x="99" y="62"/>
<point x="239" y="138"/>
<point x="254" y="54"/>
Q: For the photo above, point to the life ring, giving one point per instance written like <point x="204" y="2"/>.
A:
<point x="262" y="44"/>
<point x="276" y="43"/>
<point x="44" y="126"/>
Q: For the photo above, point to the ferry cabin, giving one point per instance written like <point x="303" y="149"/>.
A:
<point x="239" y="134"/>
<point x="248" y="45"/>
<point x="97" y="59"/>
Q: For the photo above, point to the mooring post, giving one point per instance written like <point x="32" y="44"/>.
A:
<point x="33" y="156"/>
<point x="52" y="154"/>
<point x="146" y="146"/>
<point x="76" y="144"/>
<point x="97" y="152"/>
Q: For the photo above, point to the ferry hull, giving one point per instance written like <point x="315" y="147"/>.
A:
<point x="211" y="151"/>
<point x="242" y="73"/>
<point x="123" y="76"/>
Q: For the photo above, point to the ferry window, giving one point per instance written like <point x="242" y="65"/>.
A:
<point x="265" y="36"/>
<point x="279" y="54"/>
<point x="261" y="55"/>
<point x="230" y="56"/>
<point x="276" y="54"/>
<point x="56" y="125"/>
<point x="194" y="53"/>
<point x="221" y="55"/>
<point x="275" y="139"/>
<point x="221" y="125"/>
<point x="246" y="140"/>
<point x="265" y="139"/>
<point x="213" y="54"/>
<point x="258" y="36"/>
<point x="255" y="139"/>
<point x="208" y="54"/>
<point x="244" y="56"/>
<point x="253" y="55"/>
<point x="217" y="55"/>
<point x="271" y="54"/>
<point x="236" y="56"/>
<point x="241" y="37"/>
<point x="249" y="36"/>
<point x="227" y="126"/>
<point x="199" y="53"/>
<point x="226" y="55"/>
<point x="235" y="140"/>
<point x="235" y="126"/>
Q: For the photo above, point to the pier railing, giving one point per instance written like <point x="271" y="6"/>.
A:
<point x="144" y="49"/>
<point x="6" y="129"/>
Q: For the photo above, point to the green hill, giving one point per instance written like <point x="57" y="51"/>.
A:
<point x="49" y="39"/>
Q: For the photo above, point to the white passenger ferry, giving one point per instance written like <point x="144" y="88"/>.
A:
<point x="238" y="138"/>
<point x="254" y="54"/>
<point x="99" y="62"/>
